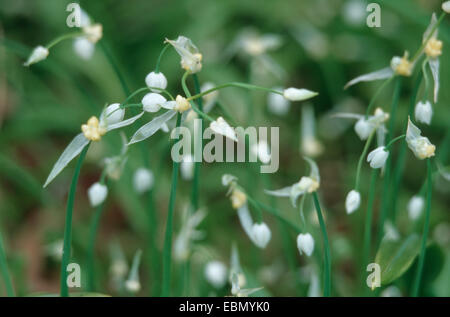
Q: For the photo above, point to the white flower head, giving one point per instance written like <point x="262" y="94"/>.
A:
<point x="157" y="80"/>
<point x="277" y="104"/>
<point x="143" y="180"/>
<point x="182" y="104"/>
<point x="261" y="234"/>
<point x="112" y="114"/>
<point x="378" y="157"/>
<point x="363" y="128"/>
<point x="38" y="54"/>
<point x="216" y="273"/>
<point x="93" y="32"/>
<point x="423" y="112"/>
<point x="415" y="207"/>
<point x="187" y="166"/>
<point x="421" y="146"/>
<point x="191" y="59"/>
<point x="132" y="284"/>
<point x="296" y="94"/>
<point x="220" y="126"/>
<point x="97" y="194"/>
<point x="152" y="102"/>
<point x="83" y="48"/>
<point x="446" y="6"/>
<point x="261" y="150"/>
<point x="305" y="243"/>
<point x="352" y="201"/>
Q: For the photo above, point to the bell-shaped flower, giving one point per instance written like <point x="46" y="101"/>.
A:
<point x="38" y="54"/>
<point x="156" y="80"/>
<point x="305" y="243"/>
<point x="298" y="94"/>
<point x="220" y="126"/>
<point x="216" y="274"/>
<point x="377" y="158"/>
<point x="304" y="186"/>
<point x="187" y="167"/>
<point x="83" y="48"/>
<point x="446" y="6"/>
<point x="261" y="151"/>
<point x="415" y="207"/>
<point x="433" y="49"/>
<point x="112" y="114"/>
<point x="261" y="234"/>
<point x="420" y="145"/>
<point x="352" y="201"/>
<point x="132" y="284"/>
<point x="191" y="59"/>
<point x="143" y="180"/>
<point x="152" y="102"/>
<point x="423" y="112"/>
<point x="189" y="233"/>
<point x="97" y="194"/>
<point x="277" y="104"/>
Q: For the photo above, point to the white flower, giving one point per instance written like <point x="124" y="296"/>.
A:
<point x="83" y="48"/>
<point x="363" y="128"/>
<point x="415" y="207"/>
<point x="191" y="59"/>
<point x="132" y="284"/>
<point x="187" y="167"/>
<point x="261" y="234"/>
<point x="216" y="273"/>
<point x="421" y="146"/>
<point x="220" y="126"/>
<point x="188" y="234"/>
<point x="39" y="53"/>
<point x="228" y="179"/>
<point x="277" y="104"/>
<point x="432" y="50"/>
<point x="352" y="201"/>
<point x="401" y="65"/>
<point x="97" y="194"/>
<point x="143" y="180"/>
<point x="157" y="80"/>
<point x="378" y="157"/>
<point x="182" y="104"/>
<point x="112" y="114"/>
<point x="295" y="94"/>
<point x="152" y="102"/>
<point x="305" y="243"/>
<point x="93" y="32"/>
<point x="423" y="112"/>
<point x="261" y="150"/>
<point x="446" y="6"/>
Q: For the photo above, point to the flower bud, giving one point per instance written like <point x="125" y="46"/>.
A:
<point x="295" y="94"/>
<point x="446" y="6"/>
<point x="133" y="286"/>
<point x="39" y="53"/>
<point x="157" y="80"/>
<point x="261" y="151"/>
<point x="94" y="32"/>
<point x="305" y="243"/>
<point x="182" y="104"/>
<point x="220" y="126"/>
<point x="277" y="104"/>
<point x="187" y="167"/>
<point x="238" y="199"/>
<point x="352" y="201"/>
<point x="143" y="180"/>
<point x="378" y="157"/>
<point x="83" y="48"/>
<point x="152" y="102"/>
<point x="423" y="112"/>
<point x="112" y="114"/>
<point x="97" y="194"/>
<point x="261" y="234"/>
<point x="415" y="207"/>
<point x="363" y="128"/>
<point x="216" y="273"/>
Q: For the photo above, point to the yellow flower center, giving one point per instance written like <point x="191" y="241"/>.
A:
<point x="404" y="68"/>
<point x="92" y="129"/>
<point x="182" y="104"/>
<point x="433" y="48"/>
<point x="238" y="199"/>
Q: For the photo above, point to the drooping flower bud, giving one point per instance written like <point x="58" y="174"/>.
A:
<point x="401" y="65"/>
<point x="378" y="157"/>
<point x="446" y="6"/>
<point x="415" y="207"/>
<point x="97" y="194"/>
<point x="39" y="53"/>
<point x="157" y="80"/>
<point x="421" y="146"/>
<point x="216" y="273"/>
<point x="143" y="180"/>
<point x="112" y="114"/>
<point x="187" y="167"/>
<point x="305" y="243"/>
<point x="423" y="112"/>
<point x="363" y="128"/>
<point x="83" y="48"/>
<point x="261" y="234"/>
<point x="295" y="94"/>
<point x="152" y="102"/>
<point x="352" y="201"/>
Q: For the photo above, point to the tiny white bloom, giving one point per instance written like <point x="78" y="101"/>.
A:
<point x="261" y="150"/>
<point x="83" y="48"/>
<point x="446" y="6"/>
<point x="295" y="94"/>
<point x="228" y="179"/>
<point x="277" y="104"/>
<point x="157" y="80"/>
<point x="220" y="126"/>
<point x="97" y="194"/>
<point x="363" y="128"/>
<point x="112" y="114"/>
<point x="352" y="201"/>
<point x="38" y="54"/>
<point x="187" y="167"/>
<point x="421" y="146"/>
<point x="182" y="104"/>
<point x="191" y="59"/>
<point x="93" y="32"/>
<point x="378" y="157"/>
<point x="152" y="102"/>
<point x="143" y="180"/>
<point x="216" y="273"/>
<point x="305" y="243"/>
<point x="415" y="207"/>
<point x="133" y="286"/>
<point x="423" y="112"/>
<point x="261" y="234"/>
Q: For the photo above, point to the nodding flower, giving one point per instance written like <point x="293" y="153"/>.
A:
<point x="401" y="65"/>
<point x="415" y="207"/>
<point x="216" y="273"/>
<point x="38" y="54"/>
<point x="305" y="243"/>
<point x="378" y="157"/>
<point x="156" y="80"/>
<point x="423" y="112"/>
<point x="446" y="6"/>
<point x="352" y="201"/>
<point x="191" y="59"/>
<point x="97" y="194"/>
<point x="92" y="129"/>
<point x="420" y="145"/>
<point x="261" y="234"/>
<point x="143" y="180"/>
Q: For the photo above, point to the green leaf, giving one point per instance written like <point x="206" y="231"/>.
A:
<point x="396" y="256"/>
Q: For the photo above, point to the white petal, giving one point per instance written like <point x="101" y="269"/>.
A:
<point x="124" y="123"/>
<point x="150" y="128"/>
<point x="430" y="27"/>
<point x="72" y="150"/>
<point x="376" y="75"/>
<point x="283" y="192"/>
<point x="434" y="67"/>
<point x="220" y="126"/>
<point x="314" y="173"/>
<point x="246" y="220"/>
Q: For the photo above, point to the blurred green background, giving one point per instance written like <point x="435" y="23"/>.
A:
<point x="325" y="43"/>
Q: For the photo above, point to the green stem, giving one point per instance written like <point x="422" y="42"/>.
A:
<point x="91" y="248"/>
<point x="362" y="157"/>
<point x="5" y="271"/>
<point x="187" y="93"/>
<point x="167" y="252"/>
<point x="64" y="291"/>
<point x="327" y="262"/>
<point x="196" y="178"/>
<point x="158" y="62"/>
<point x="394" y="140"/>
<point x="115" y="67"/>
<point x="379" y="90"/>
<point x="62" y="38"/>
<point x="235" y="84"/>
<point x="426" y="226"/>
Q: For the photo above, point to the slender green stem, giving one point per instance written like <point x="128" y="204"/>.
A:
<point x="64" y="291"/>
<point x="327" y="260"/>
<point x="196" y="178"/>
<point x="426" y="227"/>
<point x="361" y="159"/>
<point x="62" y="38"/>
<point x="115" y="67"/>
<point x="375" y="96"/>
<point x="91" y="248"/>
<point x="235" y="84"/>
<point x="187" y="93"/>
<point x="158" y="62"/>
<point x="167" y="252"/>
<point x="394" y="140"/>
<point x="5" y="271"/>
